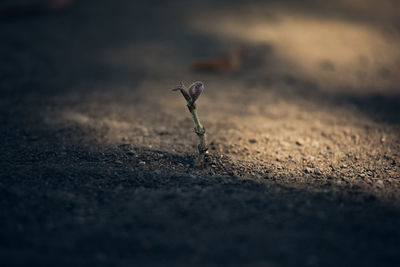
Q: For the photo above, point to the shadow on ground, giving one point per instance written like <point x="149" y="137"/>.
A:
<point x="85" y="210"/>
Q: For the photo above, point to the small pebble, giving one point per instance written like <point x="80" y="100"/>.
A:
<point x="380" y="184"/>
<point x="142" y="163"/>
<point x="300" y="142"/>
<point x="315" y="144"/>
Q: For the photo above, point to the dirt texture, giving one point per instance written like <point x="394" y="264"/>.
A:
<point x="98" y="154"/>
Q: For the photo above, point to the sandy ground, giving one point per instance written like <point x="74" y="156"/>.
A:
<point x="304" y="139"/>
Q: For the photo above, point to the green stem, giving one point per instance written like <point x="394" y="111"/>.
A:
<point x="199" y="130"/>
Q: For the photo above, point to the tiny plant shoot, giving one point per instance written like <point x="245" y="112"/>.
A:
<point x="191" y="96"/>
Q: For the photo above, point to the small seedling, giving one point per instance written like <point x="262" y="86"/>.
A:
<point x="191" y="96"/>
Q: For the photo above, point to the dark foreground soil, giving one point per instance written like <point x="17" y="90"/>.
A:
<point x="97" y="154"/>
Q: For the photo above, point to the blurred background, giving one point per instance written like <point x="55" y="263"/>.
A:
<point x="347" y="45"/>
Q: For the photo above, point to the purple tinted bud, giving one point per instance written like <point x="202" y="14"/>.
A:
<point x="195" y="90"/>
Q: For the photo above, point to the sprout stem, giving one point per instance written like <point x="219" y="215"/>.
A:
<point x="198" y="127"/>
<point x="200" y="131"/>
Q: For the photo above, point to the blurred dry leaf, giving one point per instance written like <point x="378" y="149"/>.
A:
<point x="231" y="61"/>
